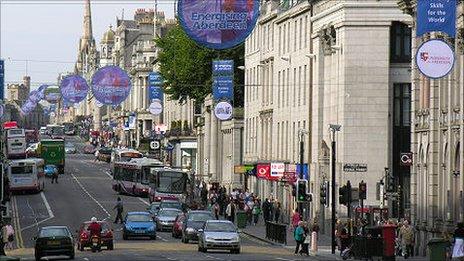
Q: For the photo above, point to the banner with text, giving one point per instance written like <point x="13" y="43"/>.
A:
<point x="155" y="89"/>
<point x="436" y="15"/>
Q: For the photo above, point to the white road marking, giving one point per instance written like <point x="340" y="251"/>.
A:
<point x="162" y="239"/>
<point x="49" y="210"/>
<point x="284" y="259"/>
<point x="170" y="258"/>
<point x="213" y="257"/>
<point x="144" y="201"/>
<point x="108" y="174"/>
<point x="88" y="194"/>
<point x="86" y="259"/>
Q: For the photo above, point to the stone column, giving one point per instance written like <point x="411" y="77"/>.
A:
<point x="206" y="144"/>
<point x="213" y="147"/>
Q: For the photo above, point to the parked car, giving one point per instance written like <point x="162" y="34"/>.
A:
<point x="167" y="203"/>
<point x="177" y="227"/>
<point x="50" y="170"/>
<point x="154" y="208"/>
<point x="219" y="234"/>
<point x="54" y="241"/>
<point x="89" y="149"/>
<point x="104" y="154"/>
<point x="165" y="218"/>
<point x="31" y="151"/>
<point x="139" y="224"/>
<point x="69" y="148"/>
<point x="194" y="221"/>
<point x="84" y="236"/>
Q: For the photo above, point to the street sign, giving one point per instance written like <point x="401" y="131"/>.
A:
<point x="406" y="159"/>
<point x="2" y="79"/>
<point x="154" y="145"/>
<point x="169" y="146"/>
<point x="355" y="167"/>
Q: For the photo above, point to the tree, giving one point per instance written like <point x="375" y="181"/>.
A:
<point x="186" y="67"/>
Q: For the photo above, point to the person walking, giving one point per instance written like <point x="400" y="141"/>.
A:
<point x="266" y="209"/>
<point x="97" y="153"/>
<point x="306" y="240"/>
<point x="314" y="236"/>
<point x="256" y="212"/>
<point x="298" y="235"/>
<point x="230" y="211"/>
<point x="10" y="236"/>
<point x="295" y="219"/>
<point x="458" y="248"/>
<point x="119" y="209"/>
<point x="55" y="175"/>
<point x="278" y="210"/>
<point x="407" y="239"/>
<point x="216" y="210"/>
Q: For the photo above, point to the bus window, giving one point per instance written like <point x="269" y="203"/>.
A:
<point x="127" y="175"/>
<point x="21" y="170"/>
<point x="138" y="175"/>
<point x="146" y="175"/>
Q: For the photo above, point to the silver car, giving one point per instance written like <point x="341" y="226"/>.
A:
<point x="165" y="218"/>
<point x="219" y="234"/>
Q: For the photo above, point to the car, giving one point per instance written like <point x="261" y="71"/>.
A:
<point x="54" y="241"/>
<point x="166" y="217"/>
<point x="194" y="221"/>
<point x="154" y="208"/>
<point x="139" y="224"/>
<point x="104" y="154"/>
<point x="219" y="234"/>
<point x="31" y="151"/>
<point x="69" y="148"/>
<point x="172" y="204"/>
<point x="177" y="227"/>
<point x="50" y="170"/>
<point x="89" y="149"/>
<point x="84" y="236"/>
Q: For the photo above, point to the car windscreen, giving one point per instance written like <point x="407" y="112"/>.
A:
<point x="26" y="170"/>
<point x="177" y="205"/>
<point x="139" y="218"/>
<point x="220" y="227"/>
<point x="168" y="213"/>
<point x="155" y="206"/>
<point x="54" y="232"/>
<point x="200" y="217"/>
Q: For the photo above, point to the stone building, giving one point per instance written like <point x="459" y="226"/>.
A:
<point x="437" y="134"/>
<point x="19" y="92"/>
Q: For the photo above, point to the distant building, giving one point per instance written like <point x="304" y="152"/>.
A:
<point x="19" y="91"/>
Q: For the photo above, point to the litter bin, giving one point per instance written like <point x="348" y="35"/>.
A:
<point x="438" y="248"/>
<point x="241" y="219"/>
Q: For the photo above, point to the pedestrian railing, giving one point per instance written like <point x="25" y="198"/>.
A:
<point x="276" y="232"/>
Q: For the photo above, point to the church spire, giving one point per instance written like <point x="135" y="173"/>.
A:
<point x="87" y="21"/>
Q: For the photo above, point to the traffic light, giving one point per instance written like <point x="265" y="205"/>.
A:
<point x="323" y="193"/>
<point x="301" y="190"/>
<point x="362" y="190"/>
<point x="343" y="195"/>
<point x="390" y="184"/>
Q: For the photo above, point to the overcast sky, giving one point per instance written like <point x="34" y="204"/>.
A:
<point x="50" y="31"/>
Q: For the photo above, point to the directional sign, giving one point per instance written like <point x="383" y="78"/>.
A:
<point x="154" y="145"/>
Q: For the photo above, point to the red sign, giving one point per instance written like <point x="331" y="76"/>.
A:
<point x="263" y="171"/>
<point x="10" y="125"/>
<point x="290" y="177"/>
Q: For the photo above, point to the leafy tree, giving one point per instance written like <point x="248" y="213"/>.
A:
<point x="186" y="67"/>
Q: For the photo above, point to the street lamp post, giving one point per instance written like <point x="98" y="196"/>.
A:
<point x="333" y="128"/>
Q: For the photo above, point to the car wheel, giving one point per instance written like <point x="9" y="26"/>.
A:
<point x="111" y="246"/>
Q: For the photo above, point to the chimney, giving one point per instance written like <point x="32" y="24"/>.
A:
<point x="27" y="82"/>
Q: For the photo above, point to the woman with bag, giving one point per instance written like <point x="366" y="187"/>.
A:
<point x="306" y="240"/>
<point x="458" y="249"/>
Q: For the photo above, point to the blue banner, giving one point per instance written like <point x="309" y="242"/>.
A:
<point x="155" y="89"/>
<point x="223" y="67"/>
<point x="223" y="87"/>
<point x="305" y="171"/>
<point x="2" y="79"/>
<point x="436" y="15"/>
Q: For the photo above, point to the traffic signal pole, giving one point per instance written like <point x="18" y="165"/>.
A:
<point x="333" y="193"/>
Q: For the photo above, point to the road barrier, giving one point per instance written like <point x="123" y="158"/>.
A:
<point x="276" y="232"/>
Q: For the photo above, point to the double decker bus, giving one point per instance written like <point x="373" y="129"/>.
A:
<point x="123" y="155"/>
<point x="133" y="177"/>
<point x="26" y="175"/>
<point x="15" y="143"/>
<point x="168" y="184"/>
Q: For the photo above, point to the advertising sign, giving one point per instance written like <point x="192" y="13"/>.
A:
<point x="111" y="85"/>
<point x="52" y="94"/>
<point x="263" y="171"/>
<point x="2" y="79"/>
<point x="41" y="91"/>
<point x="355" y="167"/>
<point x="74" y="88"/>
<point x="223" y="67"/>
<point x="155" y="89"/>
<point x="218" y="24"/>
<point x="156" y="107"/>
<point x="277" y="170"/>
<point x="436" y="15"/>
<point x="435" y="58"/>
<point x="406" y="159"/>
<point x="223" y="111"/>
<point x="239" y="169"/>
<point x="132" y="122"/>
<point x="223" y="87"/>
<point x="34" y="96"/>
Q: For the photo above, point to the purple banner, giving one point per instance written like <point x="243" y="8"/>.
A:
<point x="111" y="85"/>
<point x="34" y="96"/>
<point x="52" y="94"/>
<point x="74" y="88"/>
<point x="218" y="24"/>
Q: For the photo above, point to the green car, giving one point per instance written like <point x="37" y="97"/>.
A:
<point x="54" y="241"/>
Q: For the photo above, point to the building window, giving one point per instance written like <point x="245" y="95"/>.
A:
<point x="400" y="43"/>
<point x="304" y="84"/>
<point x="305" y="31"/>
<point x="402" y="104"/>
<point x="301" y="33"/>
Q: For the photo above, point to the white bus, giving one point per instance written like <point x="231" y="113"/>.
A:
<point x="55" y="131"/>
<point x="123" y="155"/>
<point x="15" y="143"/>
<point x="133" y="177"/>
<point x="26" y="175"/>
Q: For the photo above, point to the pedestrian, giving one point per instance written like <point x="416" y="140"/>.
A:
<point x="295" y="219"/>
<point x="306" y="240"/>
<point x="407" y="239"/>
<point x="216" y="210"/>
<point x="277" y="211"/>
<point x="266" y="208"/>
<point x="55" y="175"/>
<point x="97" y="153"/>
<point x="10" y="235"/>
<point x="119" y="209"/>
<point x="230" y="211"/>
<point x="458" y="248"/>
<point x="314" y="236"/>
<point x="4" y="239"/>
<point x="256" y="212"/>
<point x="298" y="235"/>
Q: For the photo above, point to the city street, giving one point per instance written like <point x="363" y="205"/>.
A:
<point x="85" y="191"/>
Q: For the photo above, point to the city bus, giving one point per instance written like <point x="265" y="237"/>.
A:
<point x="123" y="155"/>
<point x="55" y="131"/>
<point x="133" y="177"/>
<point x="168" y="184"/>
<point x="15" y="143"/>
<point x="26" y="175"/>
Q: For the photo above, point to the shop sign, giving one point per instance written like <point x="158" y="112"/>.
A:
<point x="263" y="171"/>
<point x="239" y="169"/>
<point x="355" y="167"/>
<point x="277" y="171"/>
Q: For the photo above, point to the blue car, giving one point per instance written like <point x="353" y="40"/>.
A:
<point x="50" y="170"/>
<point x="139" y="224"/>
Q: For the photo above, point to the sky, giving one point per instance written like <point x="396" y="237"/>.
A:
<point x="49" y="30"/>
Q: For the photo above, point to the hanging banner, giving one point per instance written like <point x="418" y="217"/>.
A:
<point x="155" y="88"/>
<point x="74" y="88"/>
<point x="435" y="58"/>
<point x="218" y="24"/>
<point x="223" y="87"/>
<point x="436" y="16"/>
<point x="223" y="111"/>
<point x="52" y="94"/>
<point x="41" y="91"/>
<point x="132" y="121"/>
<point x="34" y="96"/>
<point x="263" y="171"/>
<point x="156" y="107"/>
<point x="223" y="67"/>
<point x="111" y="85"/>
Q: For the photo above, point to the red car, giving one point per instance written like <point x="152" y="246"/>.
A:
<point x="84" y="235"/>
<point x="177" y="227"/>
